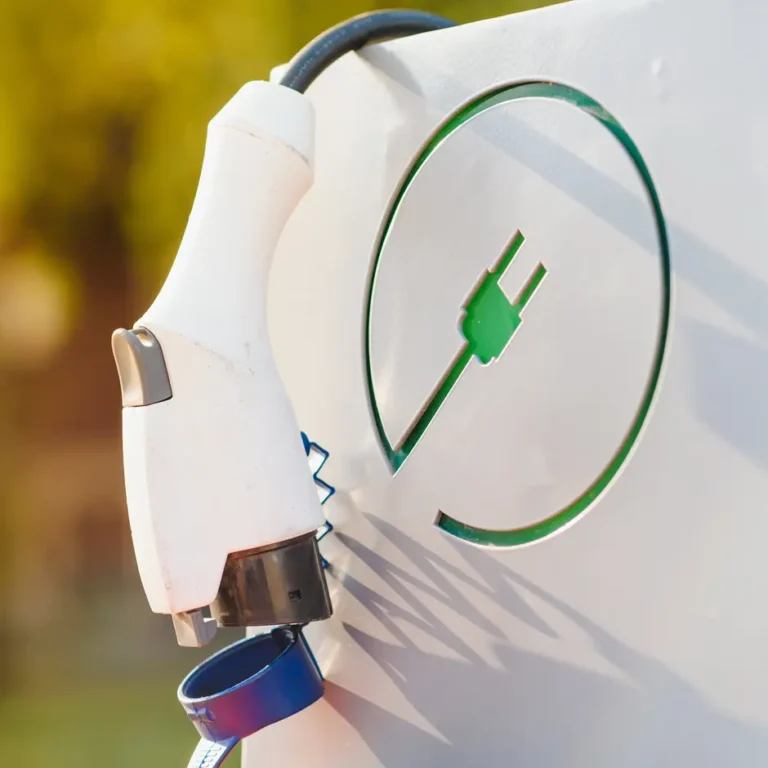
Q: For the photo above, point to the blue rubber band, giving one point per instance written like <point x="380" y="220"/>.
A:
<point x="246" y="687"/>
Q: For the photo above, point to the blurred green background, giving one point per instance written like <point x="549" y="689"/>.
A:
<point x="103" y="109"/>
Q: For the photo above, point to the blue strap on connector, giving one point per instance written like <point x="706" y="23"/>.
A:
<point x="246" y="687"/>
<point x="317" y="456"/>
<point x="209" y="754"/>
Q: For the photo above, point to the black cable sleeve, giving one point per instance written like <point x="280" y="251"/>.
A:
<point x="351" y="35"/>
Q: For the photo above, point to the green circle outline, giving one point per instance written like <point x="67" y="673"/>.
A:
<point x="497" y="96"/>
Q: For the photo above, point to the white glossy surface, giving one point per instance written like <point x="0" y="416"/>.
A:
<point x="638" y="637"/>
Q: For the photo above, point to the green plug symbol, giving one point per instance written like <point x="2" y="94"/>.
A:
<point x="490" y="321"/>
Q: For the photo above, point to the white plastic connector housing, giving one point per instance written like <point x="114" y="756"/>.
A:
<point x="220" y="466"/>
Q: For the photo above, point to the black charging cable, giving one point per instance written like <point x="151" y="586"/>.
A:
<point x="351" y="35"/>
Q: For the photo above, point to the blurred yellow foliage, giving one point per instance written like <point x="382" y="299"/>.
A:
<point x="36" y="307"/>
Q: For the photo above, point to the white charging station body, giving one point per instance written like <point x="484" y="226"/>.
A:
<point x="633" y="631"/>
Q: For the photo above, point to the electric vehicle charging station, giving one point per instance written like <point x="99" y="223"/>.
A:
<point x="524" y="307"/>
